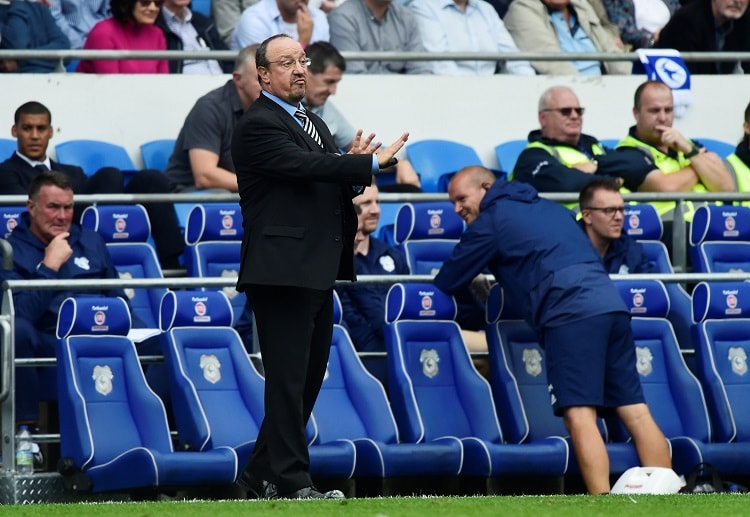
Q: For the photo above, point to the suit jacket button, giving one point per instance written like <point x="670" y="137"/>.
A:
<point x="337" y="212"/>
<point x="337" y="238"/>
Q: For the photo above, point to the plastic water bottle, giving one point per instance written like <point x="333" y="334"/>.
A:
<point x="24" y="452"/>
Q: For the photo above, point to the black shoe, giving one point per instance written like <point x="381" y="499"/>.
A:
<point x="252" y="488"/>
<point x="270" y="491"/>
<point x="310" y="492"/>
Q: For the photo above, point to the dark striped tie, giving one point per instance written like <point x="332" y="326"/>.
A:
<point x="307" y="125"/>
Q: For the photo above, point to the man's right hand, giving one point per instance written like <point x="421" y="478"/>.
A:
<point x="304" y="24"/>
<point x="58" y="252"/>
<point x="386" y="155"/>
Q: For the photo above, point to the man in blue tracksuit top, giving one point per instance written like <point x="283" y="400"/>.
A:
<point x="546" y="264"/>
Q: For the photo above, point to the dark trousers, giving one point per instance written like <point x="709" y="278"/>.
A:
<point x="294" y="328"/>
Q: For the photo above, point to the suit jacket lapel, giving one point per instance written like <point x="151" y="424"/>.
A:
<point x="291" y="122"/>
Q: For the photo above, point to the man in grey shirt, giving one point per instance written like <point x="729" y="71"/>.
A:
<point x="377" y="25"/>
<point x="202" y="157"/>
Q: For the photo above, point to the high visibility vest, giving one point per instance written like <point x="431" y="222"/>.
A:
<point x="568" y="156"/>
<point x="666" y="164"/>
<point x="741" y="173"/>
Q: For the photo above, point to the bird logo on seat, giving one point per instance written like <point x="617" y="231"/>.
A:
<point x="738" y="359"/>
<point x="103" y="379"/>
<point x="532" y="358"/>
<point x="429" y="360"/>
<point x="211" y="368"/>
<point x="644" y="360"/>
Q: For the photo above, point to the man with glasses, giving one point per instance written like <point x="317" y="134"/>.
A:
<point x="602" y="215"/>
<point x="546" y="266"/>
<point x="296" y="193"/>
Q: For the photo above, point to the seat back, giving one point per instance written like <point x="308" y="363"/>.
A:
<point x="433" y="386"/>
<point x="217" y="394"/>
<point x="352" y="403"/>
<point x="155" y="154"/>
<point x="11" y="215"/>
<point x="126" y="230"/>
<point x="507" y="154"/>
<point x="671" y="390"/>
<point x="436" y="159"/>
<point x="722" y="341"/>
<point x="720" y="239"/>
<point x="518" y="374"/>
<point x="427" y="232"/>
<point x="92" y="155"/>
<point x="7" y="147"/>
<point x="102" y="388"/>
<point x="213" y="235"/>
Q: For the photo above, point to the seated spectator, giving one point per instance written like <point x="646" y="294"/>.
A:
<point x="327" y="67"/>
<point x="47" y="245"/>
<point x="226" y="14"/>
<point x="193" y="32"/>
<point x="601" y="13"/>
<point x="33" y="130"/>
<point x="378" y="25"/>
<point x="700" y="170"/>
<point x="202" y="157"/>
<point x="556" y="26"/>
<point x="258" y="22"/>
<point x="640" y="21"/>
<point x="710" y="26"/>
<point x="466" y="26"/>
<point x="738" y="162"/>
<point x="130" y="28"/>
<point x="561" y="158"/>
<point x="76" y="17"/>
<point x="29" y="26"/>
<point x="602" y="215"/>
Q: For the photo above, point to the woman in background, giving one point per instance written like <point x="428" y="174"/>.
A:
<point x="130" y="28"/>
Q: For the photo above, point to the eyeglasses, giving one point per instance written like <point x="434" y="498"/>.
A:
<point x="566" y="112"/>
<point x="146" y="3"/>
<point x="287" y="64"/>
<point x="609" y="211"/>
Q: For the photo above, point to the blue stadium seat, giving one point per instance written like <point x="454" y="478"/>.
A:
<point x="507" y="154"/>
<point x="213" y="235"/>
<point x="642" y="222"/>
<point x="519" y="385"/>
<point x="10" y="218"/>
<point x="610" y="143"/>
<point x="436" y="392"/>
<point x="126" y="230"/>
<point x="387" y="220"/>
<point x="720" y="239"/>
<point x="7" y="147"/>
<point x="427" y="232"/>
<point x="352" y="405"/>
<point x="114" y="433"/>
<point x="156" y="153"/>
<point x="92" y="155"/>
<point x="720" y="147"/>
<point x="437" y="160"/>
<point x="672" y="392"/>
<point x="217" y="394"/>
<point x="201" y="6"/>
<point x="722" y="340"/>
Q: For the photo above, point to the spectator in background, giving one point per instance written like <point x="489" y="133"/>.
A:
<point x="602" y="216"/>
<point x="29" y="26"/>
<point x="76" y="17"/>
<point x="191" y="31"/>
<point x="378" y="25"/>
<point x="601" y="13"/>
<point x="33" y="128"/>
<point x="640" y="21"/>
<point x="327" y="67"/>
<point x="226" y="14"/>
<point x="556" y="26"/>
<point x="738" y="162"/>
<point x="304" y="23"/>
<point x="202" y="156"/>
<point x="466" y="26"/>
<point x="130" y="28"/>
<point x="710" y="26"/>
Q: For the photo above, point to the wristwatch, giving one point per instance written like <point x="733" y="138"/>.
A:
<point x="695" y="150"/>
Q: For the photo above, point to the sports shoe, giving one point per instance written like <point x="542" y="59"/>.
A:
<point x="310" y="492"/>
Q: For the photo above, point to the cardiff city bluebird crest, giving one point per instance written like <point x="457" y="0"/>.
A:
<point x="644" y="360"/>
<point x="532" y="358"/>
<point x="211" y="368"/>
<point x="738" y="359"/>
<point x="103" y="379"/>
<point x="429" y="360"/>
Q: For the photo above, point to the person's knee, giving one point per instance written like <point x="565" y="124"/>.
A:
<point x="579" y="417"/>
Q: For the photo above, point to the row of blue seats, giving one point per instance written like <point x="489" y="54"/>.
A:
<point x="441" y="418"/>
<point x="434" y="160"/>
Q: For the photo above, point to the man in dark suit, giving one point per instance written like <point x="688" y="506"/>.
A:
<point x="299" y="226"/>
<point x="33" y="129"/>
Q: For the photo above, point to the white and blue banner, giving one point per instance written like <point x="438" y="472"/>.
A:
<point x="667" y="66"/>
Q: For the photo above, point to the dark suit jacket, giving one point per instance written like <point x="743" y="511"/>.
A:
<point x="16" y="175"/>
<point x="691" y="29"/>
<point x="298" y="217"/>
